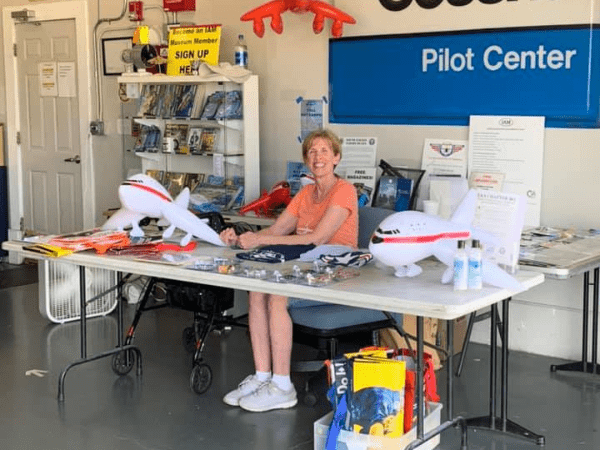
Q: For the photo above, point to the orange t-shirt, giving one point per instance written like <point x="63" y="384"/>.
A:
<point x="309" y="213"/>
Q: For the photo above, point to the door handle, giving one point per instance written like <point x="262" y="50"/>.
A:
<point x="75" y="159"/>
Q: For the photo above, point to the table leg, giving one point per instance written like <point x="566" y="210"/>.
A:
<point x="82" y="313"/>
<point x="419" y="371"/>
<point x="595" y="323"/>
<point x="423" y="437"/>
<point x="450" y="368"/>
<point x="491" y="422"/>
<point x="120" y="309"/>
<point x="585" y="365"/>
<point x="83" y="335"/>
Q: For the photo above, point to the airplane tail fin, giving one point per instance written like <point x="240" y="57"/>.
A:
<point x="183" y="199"/>
<point x="465" y="211"/>
<point x="464" y="215"/>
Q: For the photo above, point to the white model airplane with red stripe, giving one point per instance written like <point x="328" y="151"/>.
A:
<point x="142" y="196"/>
<point x="404" y="238"/>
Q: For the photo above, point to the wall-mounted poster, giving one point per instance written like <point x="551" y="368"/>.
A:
<point x="311" y="117"/>
<point x="514" y="146"/>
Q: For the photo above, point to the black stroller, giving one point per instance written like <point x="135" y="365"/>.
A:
<point x="209" y="305"/>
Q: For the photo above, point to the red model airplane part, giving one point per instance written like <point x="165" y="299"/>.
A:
<point x="268" y="201"/>
<point x="275" y="8"/>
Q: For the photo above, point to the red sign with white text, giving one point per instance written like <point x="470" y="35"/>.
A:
<point x="179" y="5"/>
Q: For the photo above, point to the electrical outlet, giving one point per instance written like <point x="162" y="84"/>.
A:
<point x="97" y="128"/>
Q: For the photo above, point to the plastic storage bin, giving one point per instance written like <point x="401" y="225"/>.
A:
<point x="354" y="441"/>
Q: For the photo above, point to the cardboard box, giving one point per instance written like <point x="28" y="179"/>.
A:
<point x="460" y="332"/>
<point x="349" y="440"/>
<point x="389" y="337"/>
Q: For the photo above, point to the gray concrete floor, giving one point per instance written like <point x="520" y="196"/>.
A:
<point x="158" y="410"/>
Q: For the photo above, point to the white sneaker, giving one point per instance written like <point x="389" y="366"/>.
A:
<point x="246" y="387"/>
<point x="269" y="397"/>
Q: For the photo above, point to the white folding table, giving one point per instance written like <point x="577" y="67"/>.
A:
<point x="422" y="296"/>
<point x="578" y="257"/>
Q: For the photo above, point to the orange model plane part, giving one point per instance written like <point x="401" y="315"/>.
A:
<point x="268" y="201"/>
<point x="275" y="8"/>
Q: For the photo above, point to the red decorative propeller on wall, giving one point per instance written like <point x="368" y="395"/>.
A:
<point x="275" y="8"/>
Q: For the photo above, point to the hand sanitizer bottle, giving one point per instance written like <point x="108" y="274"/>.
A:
<point x="461" y="268"/>
<point x="475" y="281"/>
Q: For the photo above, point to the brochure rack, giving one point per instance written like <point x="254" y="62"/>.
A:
<point x="182" y="130"/>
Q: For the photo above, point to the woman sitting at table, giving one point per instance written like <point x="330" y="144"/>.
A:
<point x="325" y="212"/>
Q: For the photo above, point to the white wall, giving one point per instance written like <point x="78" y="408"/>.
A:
<point x="545" y="320"/>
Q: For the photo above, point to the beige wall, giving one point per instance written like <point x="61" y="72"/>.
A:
<point x="295" y="64"/>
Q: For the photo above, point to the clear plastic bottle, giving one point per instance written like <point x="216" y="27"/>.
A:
<point x="461" y="268"/>
<point x="240" y="52"/>
<point x="475" y="281"/>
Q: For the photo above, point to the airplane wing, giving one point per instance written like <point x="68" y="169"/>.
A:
<point x="185" y="220"/>
<point x="492" y="274"/>
<point x="488" y="239"/>
<point x="124" y="218"/>
<point x="445" y="253"/>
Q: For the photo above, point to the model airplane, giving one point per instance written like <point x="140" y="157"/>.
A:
<point x="404" y="238"/>
<point x="275" y="8"/>
<point x="268" y="201"/>
<point x="142" y="196"/>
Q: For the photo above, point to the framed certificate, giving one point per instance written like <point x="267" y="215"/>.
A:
<point x="111" y="54"/>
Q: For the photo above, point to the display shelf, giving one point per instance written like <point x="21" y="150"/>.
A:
<point x="233" y="124"/>
<point x="236" y="140"/>
<point x="161" y="78"/>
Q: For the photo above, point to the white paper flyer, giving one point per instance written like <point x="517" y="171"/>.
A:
<point x="441" y="157"/>
<point x="357" y="152"/>
<point x="502" y="215"/>
<point x="514" y="146"/>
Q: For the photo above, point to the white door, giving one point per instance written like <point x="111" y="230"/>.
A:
<point x="49" y="132"/>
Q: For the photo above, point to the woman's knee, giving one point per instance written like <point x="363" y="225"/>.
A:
<point x="257" y="301"/>
<point x="278" y="307"/>
<point x="277" y="302"/>
<point x="256" y="296"/>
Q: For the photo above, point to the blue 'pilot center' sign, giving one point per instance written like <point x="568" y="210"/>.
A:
<point x="444" y="78"/>
<point x="438" y="62"/>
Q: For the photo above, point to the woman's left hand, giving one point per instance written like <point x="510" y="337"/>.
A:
<point x="228" y="236"/>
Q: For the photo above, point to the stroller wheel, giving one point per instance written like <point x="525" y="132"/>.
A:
<point x="201" y="378"/>
<point x="122" y="362"/>
<point x="189" y="339"/>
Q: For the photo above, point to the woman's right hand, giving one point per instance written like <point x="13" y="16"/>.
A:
<point x="249" y="240"/>
<point x="229" y="237"/>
